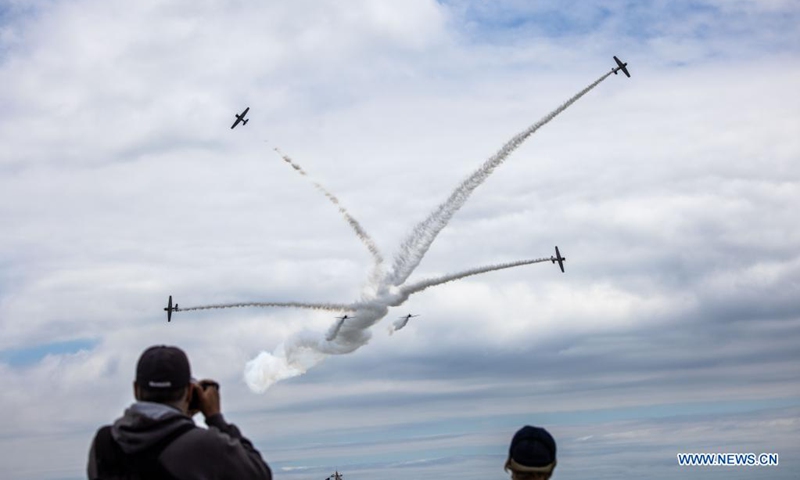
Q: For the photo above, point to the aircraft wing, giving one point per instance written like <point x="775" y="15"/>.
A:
<point x="169" y="309"/>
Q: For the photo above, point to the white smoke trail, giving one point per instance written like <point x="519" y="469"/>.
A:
<point x="398" y="324"/>
<point x="311" y="306"/>
<point x="393" y="296"/>
<point x="422" y="236"/>
<point x="408" y="290"/>
<point x="360" y="232"/>
<point x="304" y="350"/>
<point x="307" y="349"/>
<point x="335" y="329"/>
<point x="267" y="368"/>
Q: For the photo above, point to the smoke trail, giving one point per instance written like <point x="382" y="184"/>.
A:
<point x="311" y="306"/>
<point x="398" y="324"/>
<point x="362" y="235"/>
<point x="267" y="368"/>
<point x="409" y="290"/>
<point x="306" y="349"/>
<point x="422" y="236"/>
<point x="335" y="329"/>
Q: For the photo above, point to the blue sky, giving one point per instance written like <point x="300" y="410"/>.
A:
<point x="630" y="21"/>
<point x="672" y="193"/>
<point x="32" y="354"/>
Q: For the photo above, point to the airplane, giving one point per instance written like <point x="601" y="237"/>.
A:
<point x="240" y="118"/>
<point x="621" y="66"/>
<point x="408" y="317"/>
<point x="558" y="258"/>
<point x="171" y="309"/>
<point x="336" y="476"/>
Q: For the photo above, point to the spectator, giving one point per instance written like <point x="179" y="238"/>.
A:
<point x="156" y="437"/>
<point x="532" y="454"/>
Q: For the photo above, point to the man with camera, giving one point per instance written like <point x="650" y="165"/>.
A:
<point x="156" y="437"/>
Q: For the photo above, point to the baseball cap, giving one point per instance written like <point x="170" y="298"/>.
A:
<point x="163" y="368"/>
<point x="532" y="449"/>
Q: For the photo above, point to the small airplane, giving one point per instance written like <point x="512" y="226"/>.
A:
<point x="408" y="317"/>
<point x="558" y="258"/>
<point x="336" y="476"/>
<point x="240" y="118"/>
<point x="171" y="309"/>
<point x="621" y="66"/>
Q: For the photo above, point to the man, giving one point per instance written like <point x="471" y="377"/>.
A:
<point x="532" y="454"/>
<point x="156" y="438"/>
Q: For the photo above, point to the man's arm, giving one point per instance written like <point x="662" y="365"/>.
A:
<point x="91" y="467"/>
<point x="240" y="460"/>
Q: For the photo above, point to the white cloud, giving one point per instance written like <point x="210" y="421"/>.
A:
<point x="670" y="193"/>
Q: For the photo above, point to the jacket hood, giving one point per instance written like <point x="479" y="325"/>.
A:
<point x="145" y="423"/>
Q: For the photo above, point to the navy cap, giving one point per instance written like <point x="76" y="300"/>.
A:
<point x="163" y="368"/>
<point x="532" y="449"/>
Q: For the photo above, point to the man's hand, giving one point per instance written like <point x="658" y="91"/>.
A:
<point x="208" y="394"/>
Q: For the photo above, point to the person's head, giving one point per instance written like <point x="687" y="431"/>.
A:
<point x="532" y="454"/>
<point x="163" y="376"/>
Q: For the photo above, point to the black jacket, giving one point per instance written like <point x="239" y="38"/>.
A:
<point x="217" y="453"/>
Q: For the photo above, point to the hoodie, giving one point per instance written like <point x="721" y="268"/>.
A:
<point x="217" y="453"/>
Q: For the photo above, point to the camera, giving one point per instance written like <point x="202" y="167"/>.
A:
<point x="194" y="402"/>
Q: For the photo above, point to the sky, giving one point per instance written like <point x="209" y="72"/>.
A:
<point x="671" y="193"/>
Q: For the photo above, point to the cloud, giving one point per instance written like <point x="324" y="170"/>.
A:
<point x="671" y="194"/>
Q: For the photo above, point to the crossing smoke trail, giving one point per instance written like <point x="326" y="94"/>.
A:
<point x="422" y="236"/>
<point x="302" y="351"/>
<point x="362" y="235"/>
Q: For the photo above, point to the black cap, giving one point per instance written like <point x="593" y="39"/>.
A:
<point x="163" y="368"/>
<point x="532" y="449"/>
